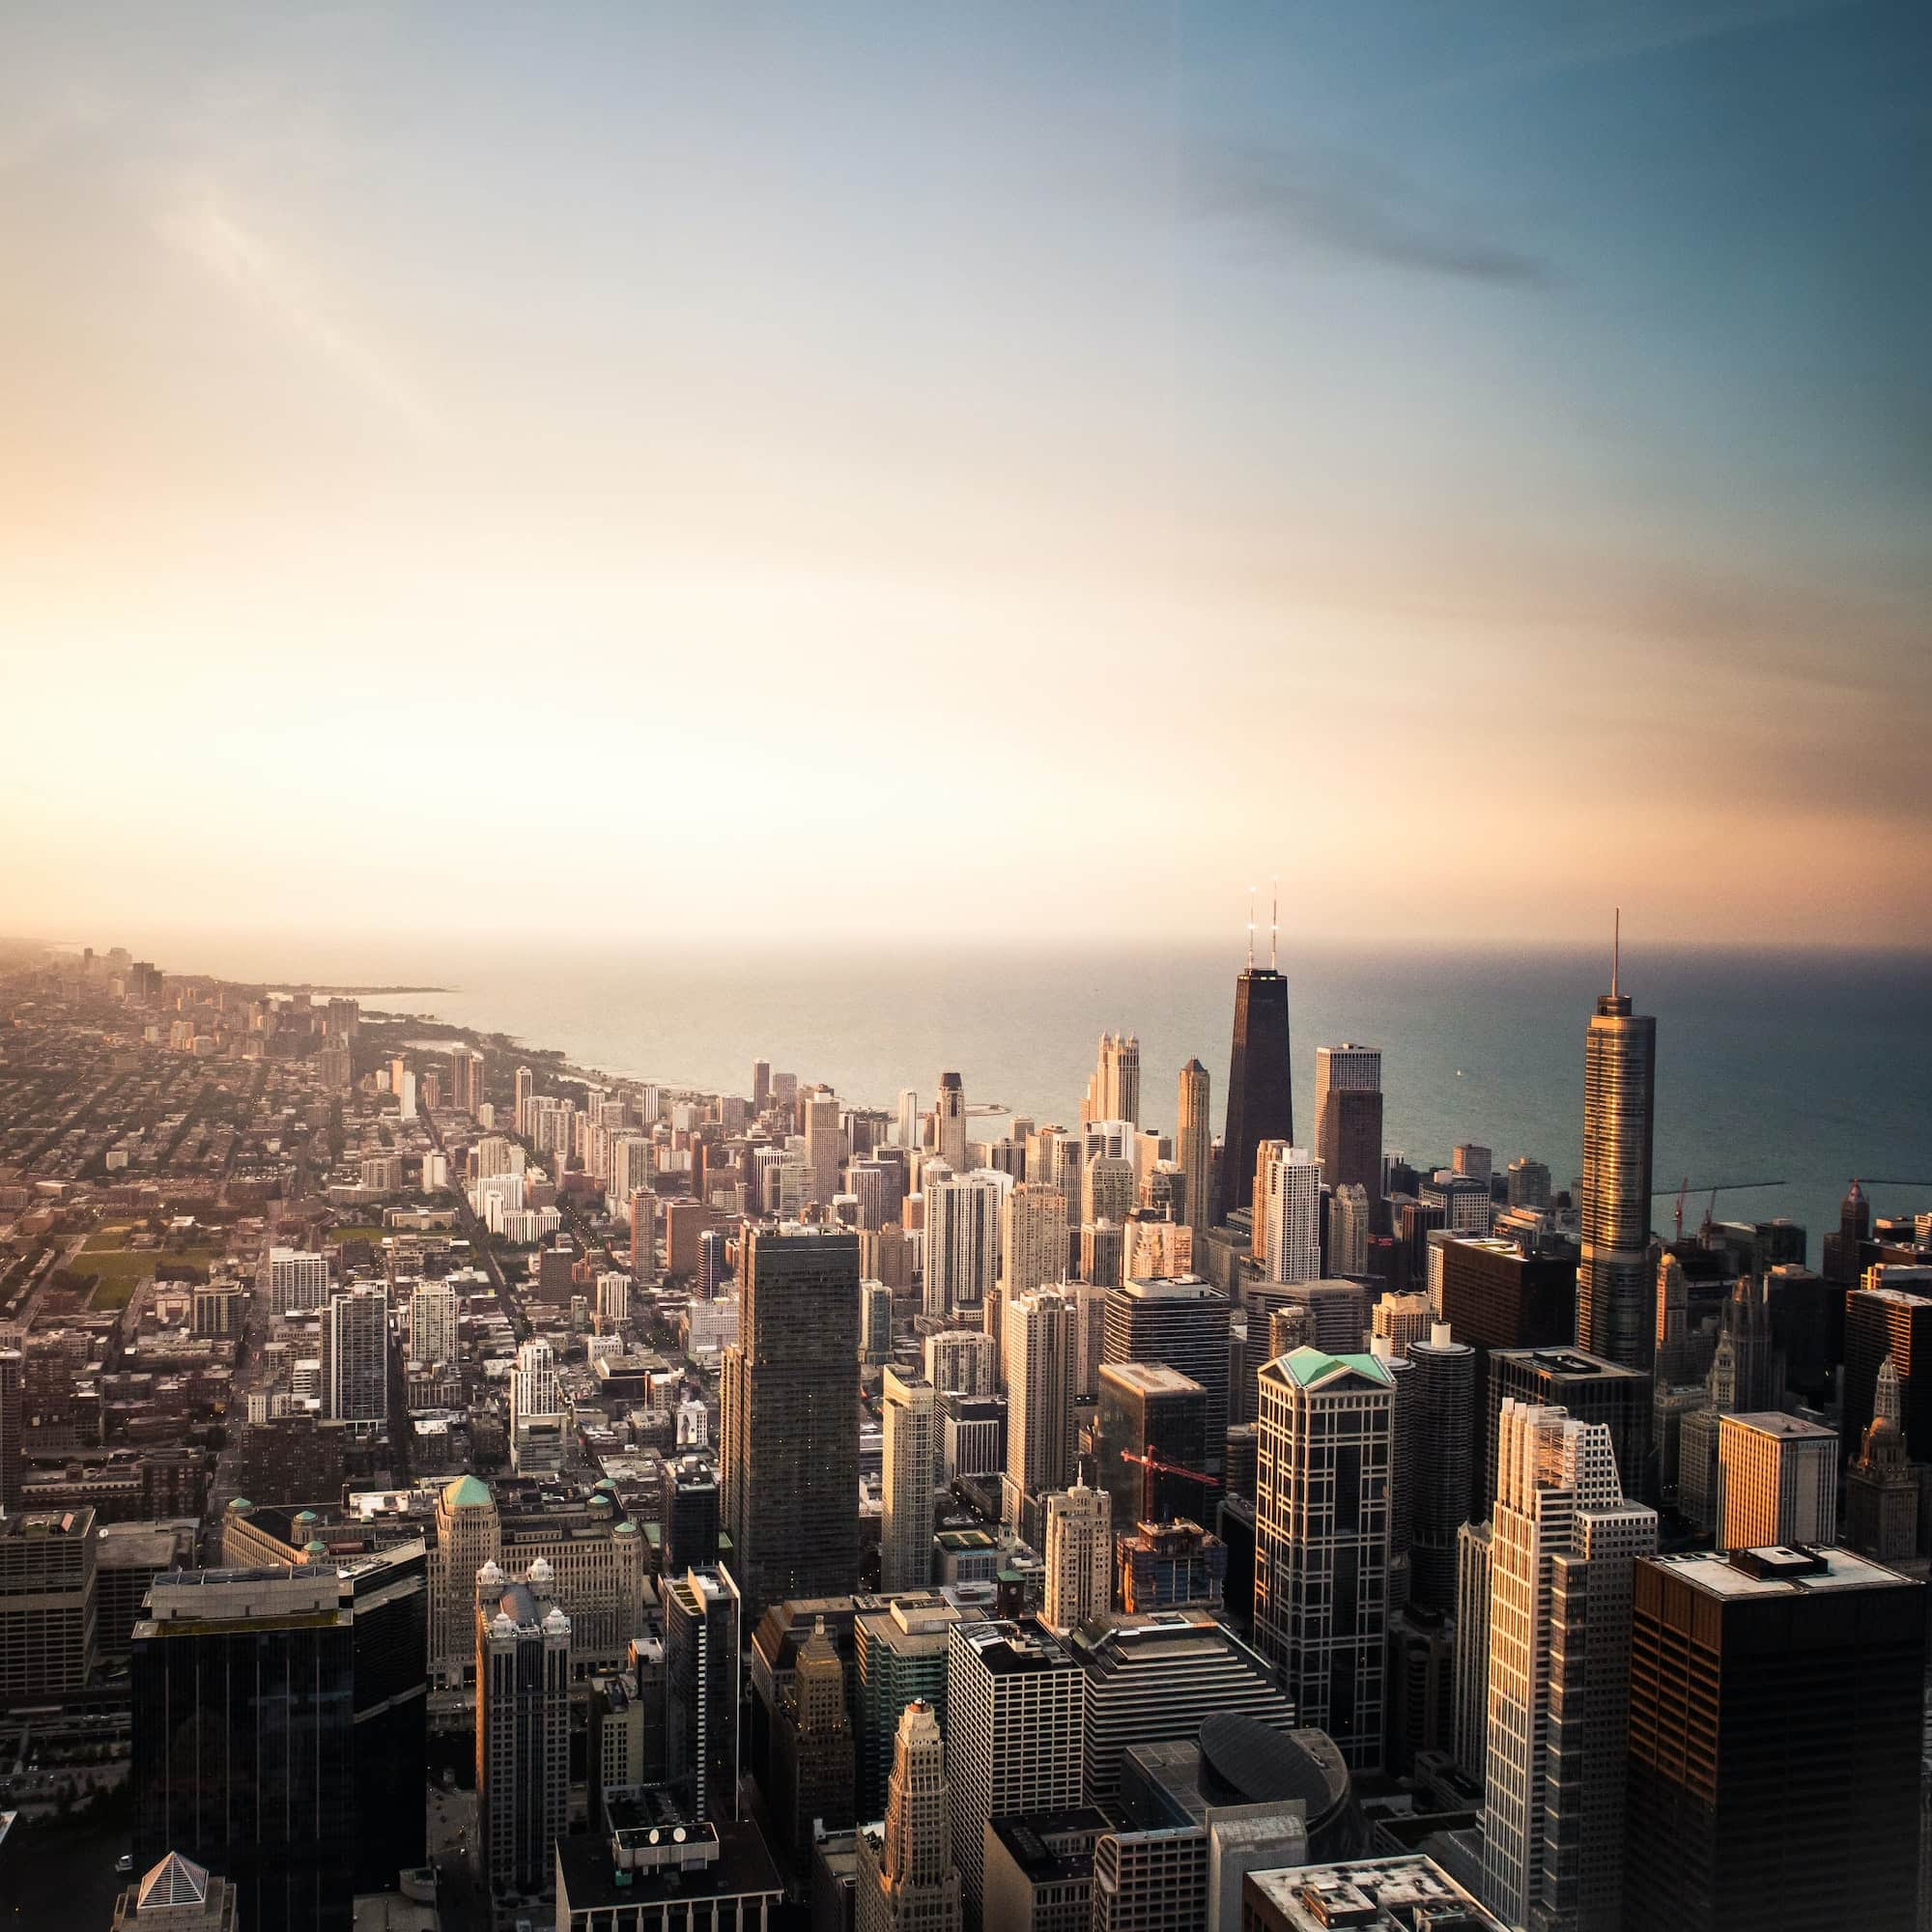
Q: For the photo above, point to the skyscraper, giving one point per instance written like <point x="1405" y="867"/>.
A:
<point x="1563" y="1542"/>
<point x="1194" y="1147"/>
<point x="1114" y="1087"/>
<point x="949" y="1122"/>
<point x="1893" y="1323"/>
<point x="1033" y="1244"/>
<point x="1777" y="1481"/>
<point x="910" y="1461"/>
<point x="1261" y="1104"/>
<point x="1881" y="1488"/>
<point x="1016" y="1710"/>
<point x="704" y="1625"/>
<point x="1322" y="1539"/>
<point x="1614" y="1281"/>
<point x="907" y="1878"/>
<point x="12" y="1368"/>
<point x="825" y="1147"/>
<point x="1042" y="1377"/>
<point x="355" y="1355"/>
<point x="1775" y="1707"/>
<point x="523" y="1727"/>
<point x="962" y="1238"/>
<point x="1079" y="1556"/>
<point x="789" y="1417"/>
<point x="1349" y="1116"/>
<point x="1350" y="1224"/>
<point x="1148" y="1408"/>
<point x="907" y="1124"/>
<point x="1183" y="1322"/>
<point x="1443" y="1392"/>
<point x="1293" y="1208"/>
<point x="243" y="1689"/>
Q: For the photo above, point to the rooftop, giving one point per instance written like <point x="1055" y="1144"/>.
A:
<point x="1371" y="1895"/>
<point x="1788" y="1428"/>
<point x="1150" y="1378"/>
<point x="1779" y="1571"/>
<point x="1051" y="1847"/>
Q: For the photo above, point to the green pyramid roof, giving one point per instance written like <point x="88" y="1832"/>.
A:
<point x="467" y="1493"/>
<point x="1307" y="1366"/>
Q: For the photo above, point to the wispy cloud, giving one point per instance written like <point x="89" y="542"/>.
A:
<point x="1350" y="207"/>
<point x="277" y="287"/>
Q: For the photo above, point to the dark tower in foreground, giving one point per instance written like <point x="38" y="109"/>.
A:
<point x="1774" y="1743"/>
<point x="1614" y="1312"/>
<point x="1260" y="1106"/>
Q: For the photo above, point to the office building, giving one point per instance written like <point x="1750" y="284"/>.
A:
<point x="907" y="1878"/>
<point x="1261" y="1103"/>
<point x="1042" y="1353"/>
<point x="1883" y="1321"/>
<point x="962" y="1238"/>
<point x="898" y="1655"/>
<point x="1162" y="1676"/>
<point x="703" y="1624"/>
<point x="1563" y="1542"/>
<point x="522" y="1728"/>
<point x="1322" y="1529"/>
<point x="1016" y="1713"/>
<point x="812" y="1772"/>
<point x="1079" y="1552"/>
<point x="1400" y="1894"/>
<point x="1777" y="1481"/>
<point x="910" y="1463"/>
<point x="1180" y="1321"/>
<point x="649" y="1871"/>
<point x="1175" y="1564"/>
<point x="1442" y="1392"/>
<point x="1150" y="1410"/>
<point x="949" y="1122"/>
<point x="1584" y="1387"/>
<point x="1775" y="1713"/>
<point x="1194" y="1147"/>
<point x="243" y="1724"/>
<point x="825" y="1147"/>
<point x="355" y="1357"/>
<point x="1472" y="1693"/>
<point x="175" y="1894"/>
<point x="1348" y="1116"/>
<point x="48" y="1602"/>
<point x="1040" y="1871"/>
<point x="1613" y="1281"/>
<point x="789" y="1417"/>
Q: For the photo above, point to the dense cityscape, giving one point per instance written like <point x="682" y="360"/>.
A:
<point x="442" y="1486"/>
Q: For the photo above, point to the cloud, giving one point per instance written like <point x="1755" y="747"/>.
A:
<point x="1350" y="207"/>
<point x="202" y="230"/>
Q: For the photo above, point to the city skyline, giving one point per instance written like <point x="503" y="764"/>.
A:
<point x="391" y="383"/>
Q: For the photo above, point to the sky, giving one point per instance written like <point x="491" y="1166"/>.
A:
<point x="670" y="473"/>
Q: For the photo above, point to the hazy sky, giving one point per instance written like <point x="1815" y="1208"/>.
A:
<point x="716" y="470"/>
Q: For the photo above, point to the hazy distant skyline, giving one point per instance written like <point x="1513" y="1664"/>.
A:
<point x="673" y="470"/>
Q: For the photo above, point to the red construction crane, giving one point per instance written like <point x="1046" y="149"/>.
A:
<point x="1150" y="1463"/>
<point x="1680" y="1193"/>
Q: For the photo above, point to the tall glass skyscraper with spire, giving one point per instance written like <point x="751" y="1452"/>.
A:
<point x="1614" y="1310"/>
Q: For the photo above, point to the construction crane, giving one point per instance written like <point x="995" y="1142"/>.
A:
<point x="1680" y="1193"/>
<point x="1149" y="1463"/>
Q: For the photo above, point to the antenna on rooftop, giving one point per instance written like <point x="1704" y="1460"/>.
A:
<point x="1274" y="923"/>
<point x="1616" y="947"/>
<point x="1251" y="929"/>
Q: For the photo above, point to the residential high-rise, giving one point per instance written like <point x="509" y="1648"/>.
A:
<point x="962" y="1238"/>
<point x="1475" y="1548"/>
<point x="1114" y="1087"/>
<point x="1183" y="1322"/>
<point x="789" y="1417"/>
<point x="1016" y="1714"/>
<point x="907" y="1878"/>
<point x="1107" y="1189"/>
<point x="1777" y="1481"/>
<point x="1350" y="1224"/>
<point x="1194" y="1147"/>
<point x="1261" y="1103"/>
<point x="11" y="1369"/>
<point x="961" y="1361"/>
<point x="523" y="1727"/>
<point x="1584" y="1387"/>
<point x="433" y="1322"/>
<point x="1776" y="1709"/>
<point x="1033" y="1244"/>
<point x="907" y="1124"/>
<point x="1349" y="1116"/>
<point x="1443" y="1391"/>
<point x="1528" y="1182"/>
<point x="1079" y="1556"/>
<point x="1615" y="1280"/>
<point x="1041" y="1353"/>
<point x="355" y="1355"/>
<point x="910" y="1465"/>
<point x="949" y="1122"/>
<point x="1563" y="1542"/>
<point x="704" y="1627"/>
<point x="1321" y="1541"/>
<point x="1292" y="1204"/>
